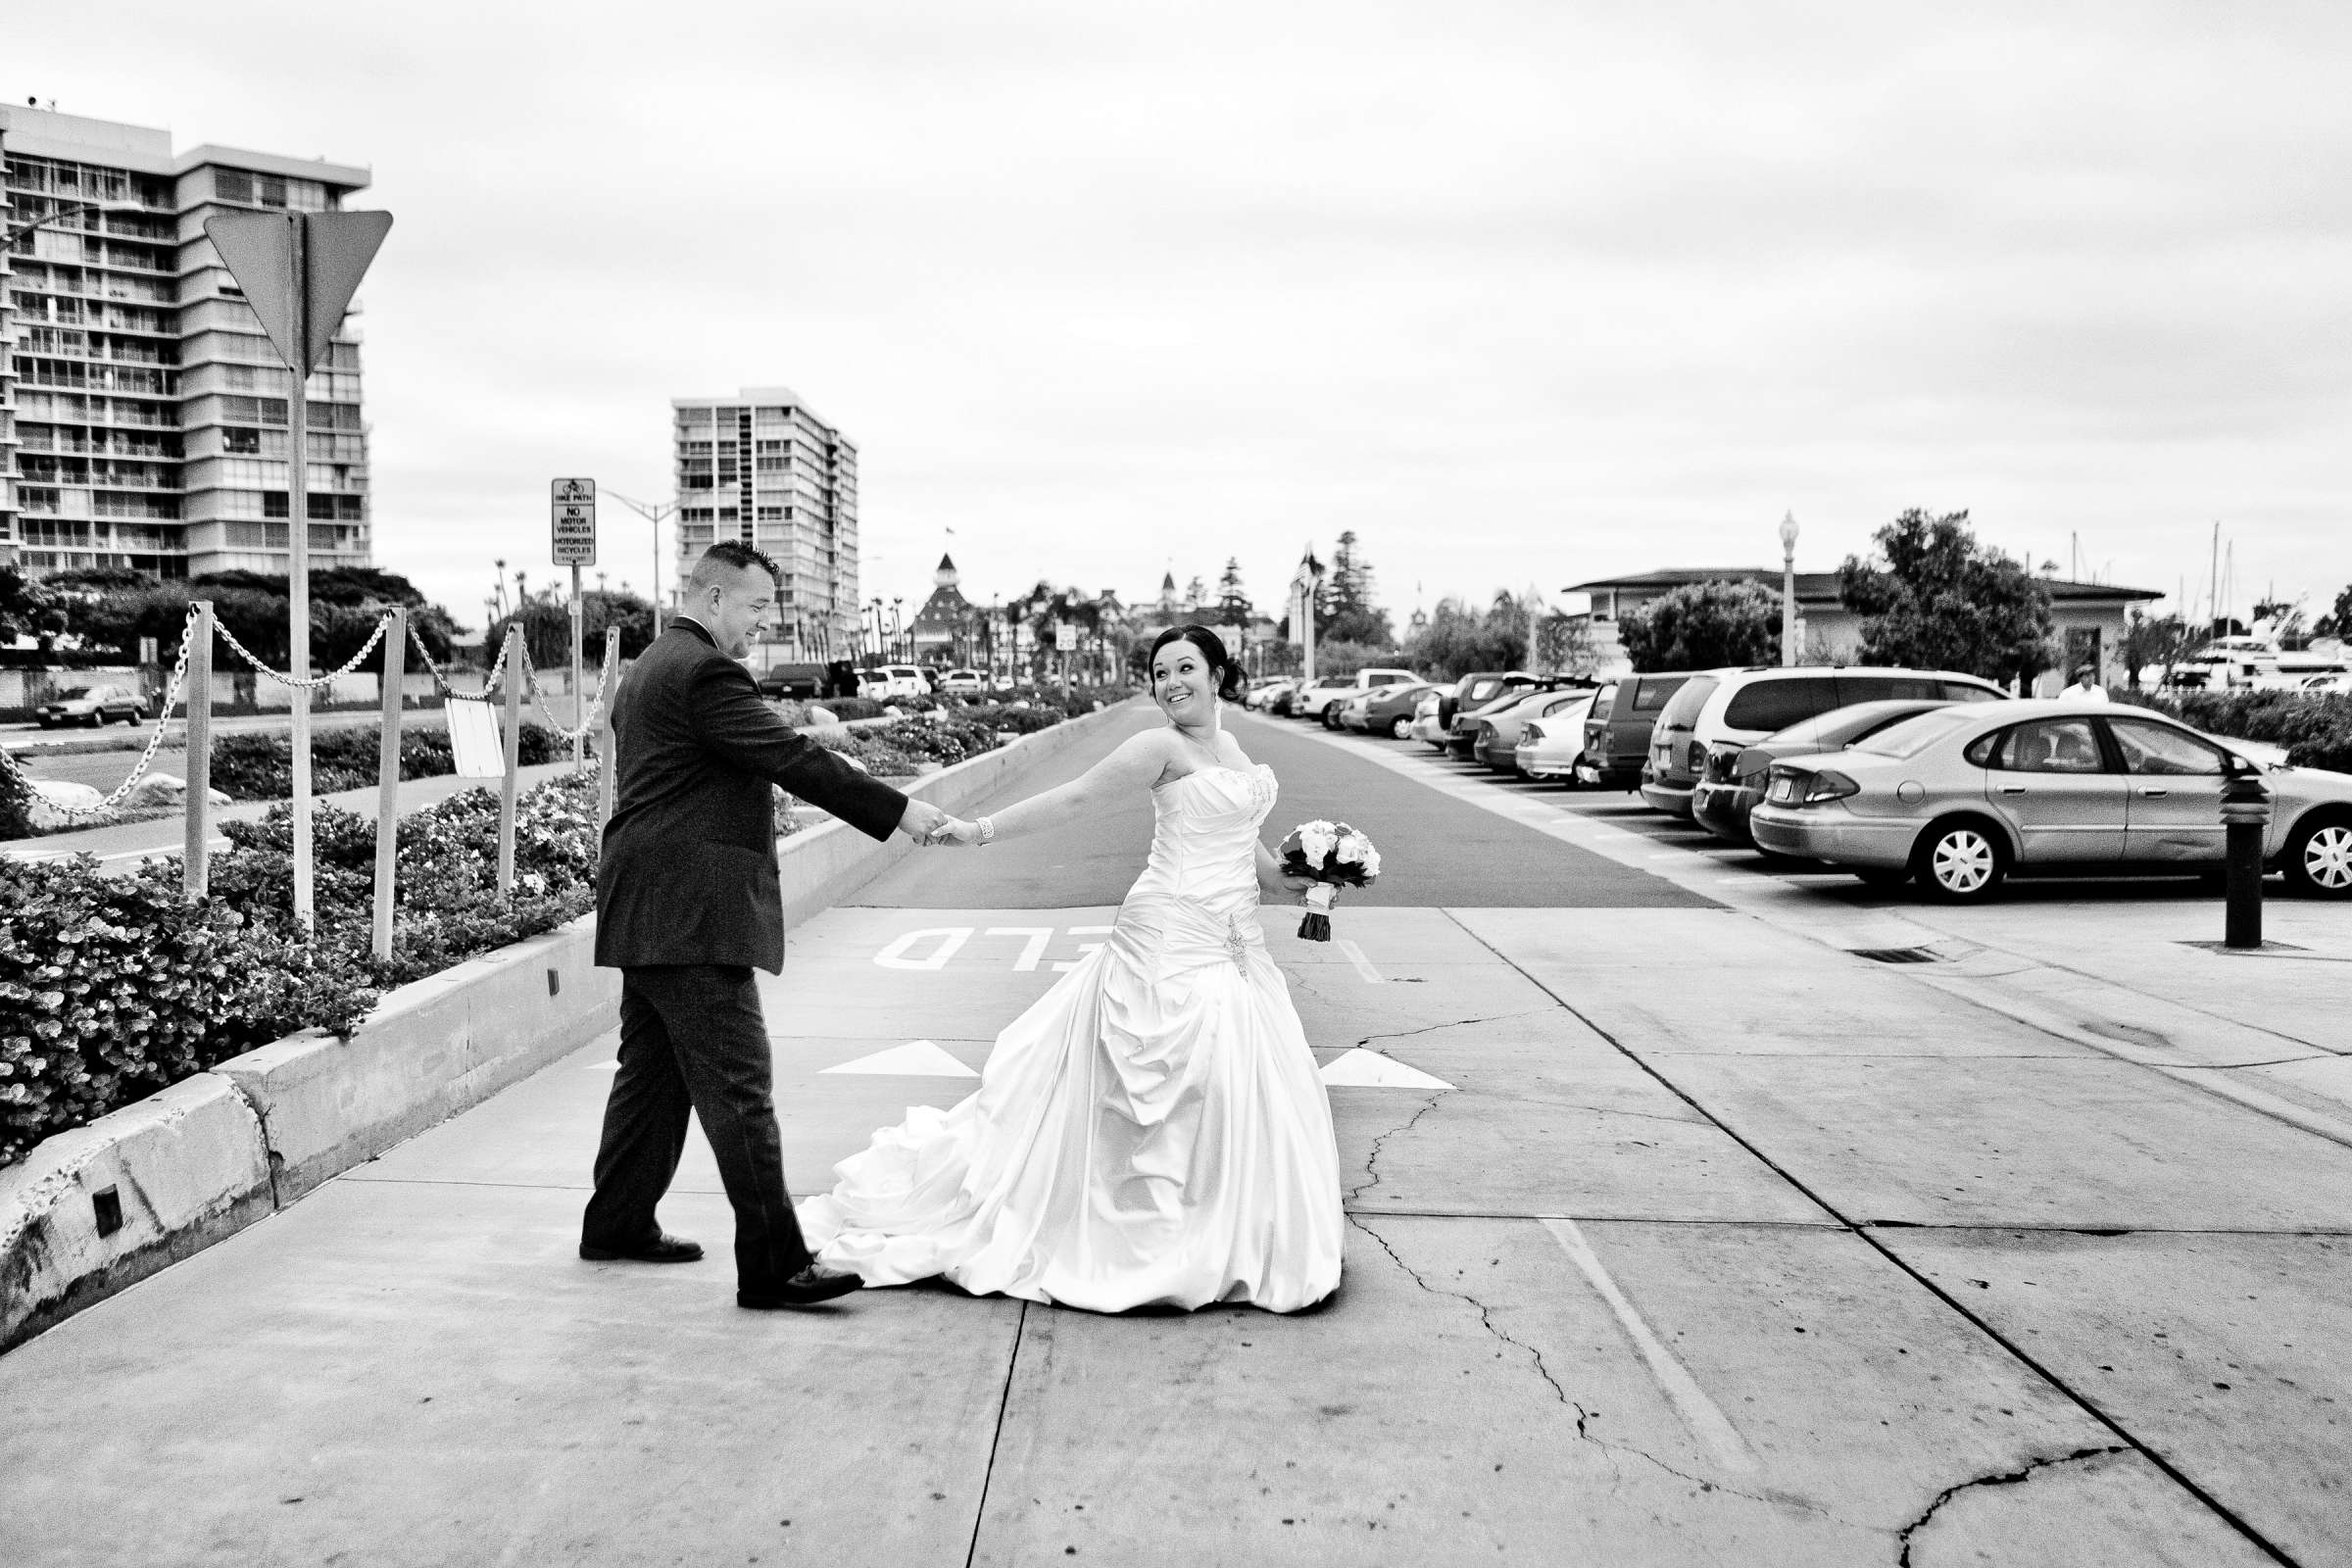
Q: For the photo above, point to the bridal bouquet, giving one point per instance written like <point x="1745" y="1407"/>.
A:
<point x="1336" y="856"/>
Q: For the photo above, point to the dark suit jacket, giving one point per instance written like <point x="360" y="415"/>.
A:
<point x="689" y="869"/>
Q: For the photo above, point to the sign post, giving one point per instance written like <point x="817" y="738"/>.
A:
<point x="299" y="271"/>
<point x="572" y="507"/>
<point x="1065" y="643"/>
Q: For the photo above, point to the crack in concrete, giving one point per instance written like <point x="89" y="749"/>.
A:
<point x="1457" y="1023"/>
<point x="1614" y="1450"/>
<point x="1372" y="1160"/>
<point x="2008" y="1478"/>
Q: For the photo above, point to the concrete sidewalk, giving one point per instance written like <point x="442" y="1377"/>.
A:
<point x="1711" y="1242"/>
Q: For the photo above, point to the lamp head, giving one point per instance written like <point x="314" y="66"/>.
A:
<point x="1789" y="533"/>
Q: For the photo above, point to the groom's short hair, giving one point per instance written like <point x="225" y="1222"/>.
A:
<point x="723" y="559"/>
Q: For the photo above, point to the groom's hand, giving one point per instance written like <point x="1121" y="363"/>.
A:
<point x="922" y="820"/>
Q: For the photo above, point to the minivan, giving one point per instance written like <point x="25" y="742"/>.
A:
<point x="1738" y="708"/>
<point x="1617" y="730"/>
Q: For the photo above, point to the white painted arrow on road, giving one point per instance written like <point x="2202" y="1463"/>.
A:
<point x="918" y="1059"/>
<point x="1359" y="1068"/>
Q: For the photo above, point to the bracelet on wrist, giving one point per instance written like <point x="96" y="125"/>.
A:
<point x="988" y="832"/>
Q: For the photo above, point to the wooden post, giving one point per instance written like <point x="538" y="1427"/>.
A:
<point x="608" y="745"/>
<point x="196" y="858"/>
<point x="387" y="799"/>
<point x="510" y="784"/>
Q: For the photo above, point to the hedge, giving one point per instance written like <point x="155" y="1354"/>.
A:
<point x="2316" y="730"/>
<point x="254" y="765"/>
<point x="114" y="987"/>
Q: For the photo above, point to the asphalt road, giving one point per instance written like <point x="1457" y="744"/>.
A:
<point x="1433" y="851"/>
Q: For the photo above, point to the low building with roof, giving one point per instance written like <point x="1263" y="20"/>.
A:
<point x="2087" y="617"/>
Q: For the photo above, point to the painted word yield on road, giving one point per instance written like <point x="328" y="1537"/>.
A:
<point x="1026" y="950"/>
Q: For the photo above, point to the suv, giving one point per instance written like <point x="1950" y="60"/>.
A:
<point x="1737" y="708"/>
<point x="792" y="681"/>
<point x="962" y="682"/>
<point x="1322" y="699"/>
<point x="1474" y="690"/>
<point x="886" y="681"/>
<point x="1617" y="730"/>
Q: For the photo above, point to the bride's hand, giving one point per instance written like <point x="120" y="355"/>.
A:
<point x="955" y="833"/>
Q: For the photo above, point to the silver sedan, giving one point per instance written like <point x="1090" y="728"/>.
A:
<point x="1961" y="796"/>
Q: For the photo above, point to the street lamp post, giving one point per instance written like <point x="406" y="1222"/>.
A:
<point x="652" y="514"/>
<point x="1788" y="588"/>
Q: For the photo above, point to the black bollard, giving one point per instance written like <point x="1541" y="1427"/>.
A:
<point x="2245" y="812"/>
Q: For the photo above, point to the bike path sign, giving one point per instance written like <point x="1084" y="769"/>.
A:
<point x="571" y="505"/>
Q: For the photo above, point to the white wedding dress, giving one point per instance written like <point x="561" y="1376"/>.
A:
<point x="1150" y="1132"/>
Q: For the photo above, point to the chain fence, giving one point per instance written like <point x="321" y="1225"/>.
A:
<point x="313" y="683"/>
<point x="589" y="716"/>
<point x="498" y="670"/>
<point x="162" y="723"/>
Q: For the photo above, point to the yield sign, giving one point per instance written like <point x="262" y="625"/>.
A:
<point x="316" y="258"/>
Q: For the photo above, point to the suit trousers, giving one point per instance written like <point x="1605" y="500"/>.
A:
<point x="692" y="1036"/>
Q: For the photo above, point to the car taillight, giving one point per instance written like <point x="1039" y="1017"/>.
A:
<point x="1830" y="786"/>
<point x="1697" y="756"/>
<point x="1532" y="733"/>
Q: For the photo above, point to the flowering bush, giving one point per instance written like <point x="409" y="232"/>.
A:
<point x="260" y="766"/>
<point x="113" y="986"/>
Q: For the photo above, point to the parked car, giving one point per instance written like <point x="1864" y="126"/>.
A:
<point x="792" y="681"/>
<point x="1384" y="710"/>
<point x="1496" y="742"/>
<point x="1476" y="690"/>
<point x="1427" y="727"/>
<point x="1617" y="730"/>
<point x="886" y="681"/>
<point x="1461" y="736"/>
<point x="1735" y="779"/>
<point x="1321" y="699"/>
<point x="94" y="706"/>
<point x="1963" y="797"/>
<point x="1552" y="743"/>
<point x="1263" y="690"/>
<point x="1739" y="707"/>
<point x="964" y="682"/>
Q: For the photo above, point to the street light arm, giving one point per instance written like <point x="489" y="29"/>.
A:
<point x="21" y="230"/>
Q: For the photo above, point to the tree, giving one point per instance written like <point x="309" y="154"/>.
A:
<point x="545" y="622"/>
<point x="2151" y="640"/>
<point x="1701" y="625"/>
<point x="1349" y="614"/>
<point x="1932" y="598"/>
<point x="1457" y="640"/>
<point x="1233" y="604"/>
<point x="2337" y="622"/>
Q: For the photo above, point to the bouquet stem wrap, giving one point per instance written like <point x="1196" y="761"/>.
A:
<point x="1316" y="926"/>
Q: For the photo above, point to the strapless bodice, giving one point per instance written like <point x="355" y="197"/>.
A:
<point x="1205" y="836"/>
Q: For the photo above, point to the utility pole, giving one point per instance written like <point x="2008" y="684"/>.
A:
<point x="654" y="516"/>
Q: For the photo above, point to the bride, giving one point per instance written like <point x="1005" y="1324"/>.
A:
<point x="1153" y="1131"/>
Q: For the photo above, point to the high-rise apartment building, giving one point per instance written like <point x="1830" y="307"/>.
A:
<point x="149" y="412"/>
<point x="761" y="467"/>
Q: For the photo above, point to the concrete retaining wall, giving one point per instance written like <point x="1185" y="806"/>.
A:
<point x="93" y="1210"/>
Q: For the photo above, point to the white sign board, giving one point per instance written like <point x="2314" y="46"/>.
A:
<point x="571" y="505"/>
<point x="1065" y="637"/>
<point x="474" y="744"/>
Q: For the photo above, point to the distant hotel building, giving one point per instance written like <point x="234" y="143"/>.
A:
<point x="142" y="410"/>
<point x="761" y="467"/>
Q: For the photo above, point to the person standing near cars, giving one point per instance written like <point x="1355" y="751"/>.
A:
<point x="2086" y="689"/>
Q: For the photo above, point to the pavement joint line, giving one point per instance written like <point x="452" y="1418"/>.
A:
<point x="1866" y="1234"/>
<point x="1701" y="1414"/>
<point x="1363" y="965"/>
<point x="988" y="1471"/>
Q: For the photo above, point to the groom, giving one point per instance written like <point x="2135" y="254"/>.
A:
<point x="687" y="904"/>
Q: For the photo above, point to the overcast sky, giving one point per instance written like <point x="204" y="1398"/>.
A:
<point x="1523" y="293"/>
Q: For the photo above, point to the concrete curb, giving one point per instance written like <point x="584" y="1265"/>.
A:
<point x="94" y="1212"/>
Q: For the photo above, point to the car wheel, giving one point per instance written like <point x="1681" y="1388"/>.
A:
<point x="1960" y="863"/>
<point x="97" y="719"/>
<point x="1400" y="729"/>
<point x="2319" y="858"/>
<point x="1330" y="716"/>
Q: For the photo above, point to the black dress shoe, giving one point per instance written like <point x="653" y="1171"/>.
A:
<point x="662" y="1249"/>
<point x="809" y="1287"/>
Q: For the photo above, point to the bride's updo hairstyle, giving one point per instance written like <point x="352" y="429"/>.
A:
<point x="1213" y="649"/>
